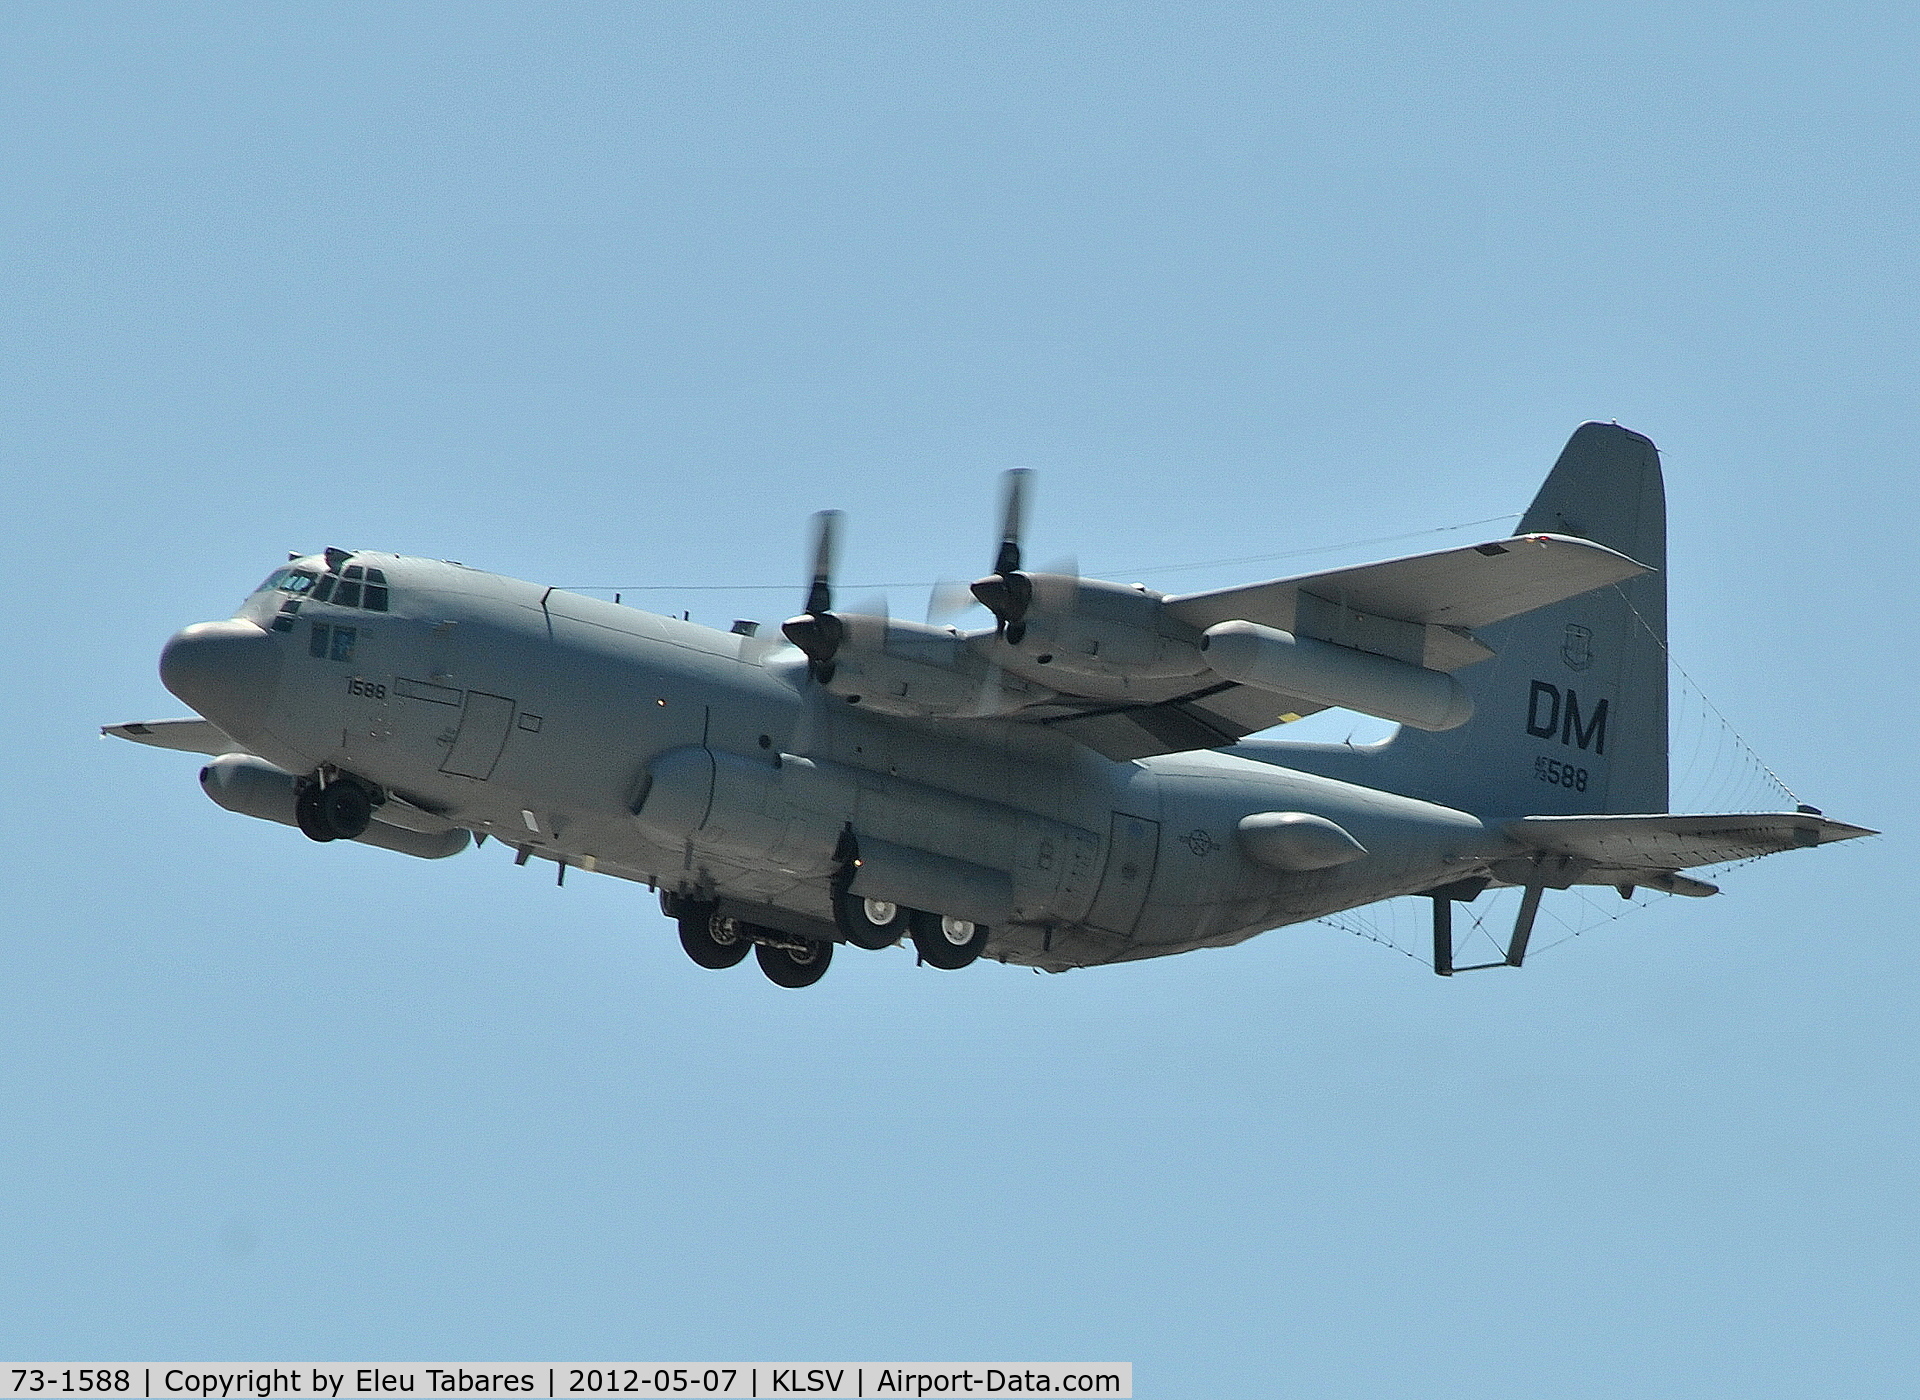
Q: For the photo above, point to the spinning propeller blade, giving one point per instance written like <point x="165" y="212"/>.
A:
<point x="817" y="632"/>
<point x="948" y="599"/>
<point x="1006" y="592"/>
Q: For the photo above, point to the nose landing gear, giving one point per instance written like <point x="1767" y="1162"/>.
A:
<point x="338" y="811"/>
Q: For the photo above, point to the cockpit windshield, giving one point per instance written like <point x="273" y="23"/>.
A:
<point x="351" y="586"/>
<point x="294" y="581"/>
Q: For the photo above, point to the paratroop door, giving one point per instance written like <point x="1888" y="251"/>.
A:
<point x="1132" y="849"/>
<point x="483" y="734"/>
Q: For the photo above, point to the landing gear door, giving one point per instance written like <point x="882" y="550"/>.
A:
<point x="482" y="735"/>
<point x="1132" y="850"/>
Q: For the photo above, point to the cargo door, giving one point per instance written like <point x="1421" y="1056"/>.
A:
<point x="484" y="723"/>
<point x="1133" y="848"/>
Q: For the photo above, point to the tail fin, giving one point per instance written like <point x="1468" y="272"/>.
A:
<point x="1570" y="716"/>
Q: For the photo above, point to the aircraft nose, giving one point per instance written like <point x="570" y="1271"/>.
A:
<point x="226" y="670"/>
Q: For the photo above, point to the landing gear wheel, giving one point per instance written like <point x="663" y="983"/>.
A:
<point x="307" y="814"/>
<point x="713" y="940"/>
<point x="339" y="811"/>
<point x="346" y="810"/>
<point x="869" y="923"/>
<point x="794" y="969"/>
<point x="946" y="942"/>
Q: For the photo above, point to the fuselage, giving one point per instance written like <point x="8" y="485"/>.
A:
<point x="582" y="731"/>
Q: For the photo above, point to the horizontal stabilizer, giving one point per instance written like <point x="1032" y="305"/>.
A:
<point x="1668" y="842"/>
<point x="1467" y="587"/>
<point x="186" y="735"/>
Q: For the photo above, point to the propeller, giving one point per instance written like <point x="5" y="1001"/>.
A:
<point x="947" y="600"/>
<point x="817" y="632"/>
<point x="1007" y="593"/>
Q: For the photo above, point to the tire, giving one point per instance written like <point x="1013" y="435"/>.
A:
<point x="307" y="814"/>
<point x="712" y="940"/>
<point x="785" y="969"/>
<point x="345" y="810"/>
<point x="854" y="918"/>
<point x="945" y="943"/>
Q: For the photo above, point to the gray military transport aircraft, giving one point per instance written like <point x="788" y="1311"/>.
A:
<point x="1073" y="785"/>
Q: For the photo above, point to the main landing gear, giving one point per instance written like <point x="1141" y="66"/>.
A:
<point x="946" y="942"/>
<point x="716" y="940"/>
<point x="712" y="940"/>
<point x="940" y="939"/>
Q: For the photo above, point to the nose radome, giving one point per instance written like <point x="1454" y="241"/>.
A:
<point x="226" y="670"/>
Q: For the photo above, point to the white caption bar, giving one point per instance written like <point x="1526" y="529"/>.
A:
<point x="734" y="1380"/>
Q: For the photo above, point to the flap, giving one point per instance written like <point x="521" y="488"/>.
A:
<point x="1668" y="842"/>
<point x="1467" y="587"/>
<point x="1211" y="718"/>
<point x="186" y="735"/>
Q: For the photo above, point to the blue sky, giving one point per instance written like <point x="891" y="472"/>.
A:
<point x="616" y="295"/>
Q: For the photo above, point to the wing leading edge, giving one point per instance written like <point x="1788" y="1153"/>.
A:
<point x="185" y="735"/>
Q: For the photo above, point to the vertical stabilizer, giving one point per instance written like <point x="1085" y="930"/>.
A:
<point x="1570" y="715"/>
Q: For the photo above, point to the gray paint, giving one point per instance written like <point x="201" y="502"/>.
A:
<point x="712" y="765"/>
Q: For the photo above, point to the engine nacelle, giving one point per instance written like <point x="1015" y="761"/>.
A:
<point x="1269" y="659"/>
<point x="918" y="670"/>
<point x="254" y="787"/>
<point x="1096" y="640"/>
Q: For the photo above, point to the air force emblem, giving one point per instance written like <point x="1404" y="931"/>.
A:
<point x="1576" y="648"/>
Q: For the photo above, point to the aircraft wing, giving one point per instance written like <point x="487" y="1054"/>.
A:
<point x="1454" y="588"/>
<point x="1415" y="610"/>
<point x="186" y="735"/>
<point x="1668" y="842"/>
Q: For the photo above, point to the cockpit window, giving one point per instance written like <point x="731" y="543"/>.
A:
<point x="294" y="581"/>
<point x="355" y="586"/>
